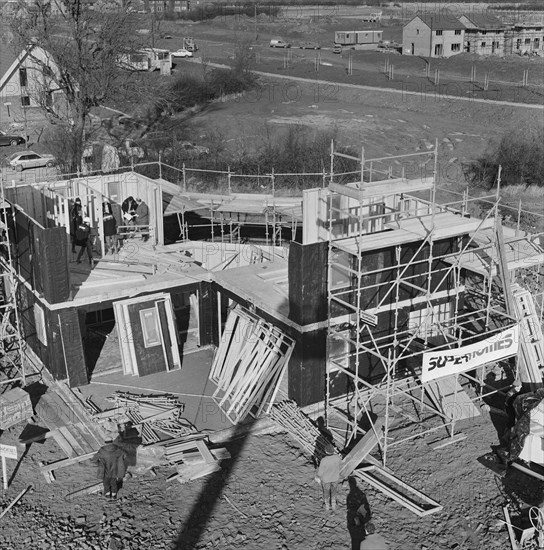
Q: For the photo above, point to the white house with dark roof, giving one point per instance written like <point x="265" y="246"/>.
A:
<point x="25" y="84"/>
<point x="484" y="34"/>
<point x="433" y="35"/>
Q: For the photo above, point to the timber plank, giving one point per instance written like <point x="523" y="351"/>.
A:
<point x="76" y="446"/>
<point x="44" y="468"/>
<point x="361" y="449"/>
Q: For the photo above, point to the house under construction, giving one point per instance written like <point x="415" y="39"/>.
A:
<point x="367" y="297"/>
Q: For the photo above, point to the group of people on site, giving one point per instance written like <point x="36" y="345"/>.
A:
<point x="329" y="462"/>
<point x="118" y="221"/>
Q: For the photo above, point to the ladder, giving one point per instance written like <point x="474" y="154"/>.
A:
<point x="531" y="337"/>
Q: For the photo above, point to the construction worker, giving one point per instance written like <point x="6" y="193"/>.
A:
<point x="112" y="466"/>
<point x="83" y="240"/>
<point x="328" y="474"/>
<point x="373" y="540"/>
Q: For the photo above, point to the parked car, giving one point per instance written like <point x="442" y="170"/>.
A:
<point x="182" y="52"/>
<point x="30" y="159"/>
<point x="309" y="46"/>
<point x="276" y="43"/>
<point x="337" y="49"/>
<point x="10" y="139"/>
<point x="194" y="149"/>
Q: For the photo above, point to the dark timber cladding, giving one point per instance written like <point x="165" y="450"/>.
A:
<point x="308" y="282"/>
<point x="41" y="258"/>
<point x="42" y="333"/>
<point x="306" y="372"/>
<point x="308" y="305"/>
<point x="72" y="347"/>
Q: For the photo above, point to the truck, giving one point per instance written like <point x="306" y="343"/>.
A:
<point x="147" y="59"/>
<point x="356" y="38"/>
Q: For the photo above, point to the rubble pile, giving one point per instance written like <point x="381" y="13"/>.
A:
<point x="116" y="530"/>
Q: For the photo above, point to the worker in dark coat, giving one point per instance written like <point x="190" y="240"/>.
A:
<point x="117" y="213"/>
<point x="76" y="217"/>
<point x="83" y="239"/>
<point x="142" y="218"/>
<point x="109" y="228"/>
<point x="112" y="467"/>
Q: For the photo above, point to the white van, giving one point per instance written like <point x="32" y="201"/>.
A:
<point x="275" y="43"/>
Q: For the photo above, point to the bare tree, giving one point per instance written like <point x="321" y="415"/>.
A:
<point x="77" y="50"/>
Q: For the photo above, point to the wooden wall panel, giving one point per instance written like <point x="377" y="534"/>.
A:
<point x="308" y="282"/>
<point x="306" y="370"/>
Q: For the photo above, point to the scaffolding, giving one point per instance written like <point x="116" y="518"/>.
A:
<point x="13" y="363"/>
<point x="405" y="257"/>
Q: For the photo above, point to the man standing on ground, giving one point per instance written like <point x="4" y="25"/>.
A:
<point x="112" y="467"/>
<point x="328" y="474"/>
<point x="373" y="541"/>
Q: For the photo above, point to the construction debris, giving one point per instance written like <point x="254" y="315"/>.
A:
<point x="155" y="416"/>
<point x="15" y="406"/>
<point x="66" y="416"/>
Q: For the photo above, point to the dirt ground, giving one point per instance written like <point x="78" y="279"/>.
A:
<point x="266" y="498"/>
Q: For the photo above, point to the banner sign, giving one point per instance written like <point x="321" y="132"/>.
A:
<point x="437" y="364"/>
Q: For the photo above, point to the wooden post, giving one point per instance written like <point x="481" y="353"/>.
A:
<point x="486" y="81"/>
<point x="4" y="473"/>
<point x="160" y="166"/>
<point x="184" y="178"/>
<point x="362" y="165"/>
<point x="428" y="70"/>
<point x="473" y="73"/>
<point x="436" y="77"/>
<point x="324" y="178"/>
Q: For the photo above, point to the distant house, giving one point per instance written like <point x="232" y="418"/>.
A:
<point x="26" y="85"/>
<point x="525" y="39"/>
<point x="426" y="35"/>
<point x="167" y="6"/>
<point x="484" y="34"/>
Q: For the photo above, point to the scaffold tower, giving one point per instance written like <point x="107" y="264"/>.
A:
<point x="401" y="282"/>
<point x="13" y="362"/>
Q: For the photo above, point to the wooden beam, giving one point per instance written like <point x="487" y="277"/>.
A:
<point x="65" y="462"/>
<point x="401" y="498"/>
<point x="511" y="533"/>
<point x="85" y="490"/>
<point x="448" y="441"/>
<point x="361" y="450"/>
<point x="15" y="501"/>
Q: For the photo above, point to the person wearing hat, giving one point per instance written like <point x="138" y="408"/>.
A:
<point x="372" y="540"/>
<point x="112" y="467"/>
<point x="75" y="219"/>
<point x="328" y="474"/>
<point x="83" y="239"/>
